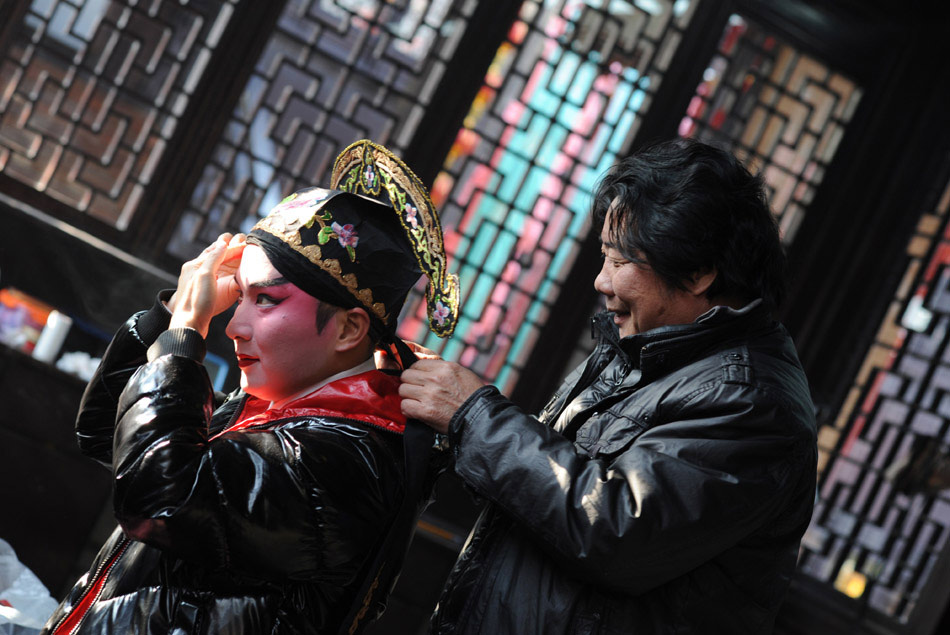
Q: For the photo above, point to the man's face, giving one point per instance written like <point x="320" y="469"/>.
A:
<point x="638" y="297"/>
<point x="274" y="329"/>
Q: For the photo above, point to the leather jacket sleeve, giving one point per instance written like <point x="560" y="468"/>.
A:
<point x="635" y="516"/>
<point x="126" y="352"/>
<point x="298" y="501"/>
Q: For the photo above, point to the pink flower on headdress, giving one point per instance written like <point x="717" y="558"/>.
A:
<point x="411" y="212"/>
<point x="345" y="234"/>
<point x="441" y="313"/>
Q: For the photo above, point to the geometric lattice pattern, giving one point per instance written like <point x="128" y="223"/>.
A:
<point x="782" y="112"/>
<point x="561" y="100"/>
<point x="331" y="73"/>
<point x="867" y="540"/>
<point x="91" y="91"/>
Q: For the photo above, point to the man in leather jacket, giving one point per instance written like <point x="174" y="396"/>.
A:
<point x="667" y="484"/>
<point x="260" y="512"/>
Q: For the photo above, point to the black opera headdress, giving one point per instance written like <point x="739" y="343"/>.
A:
<point x="345" y="246"/>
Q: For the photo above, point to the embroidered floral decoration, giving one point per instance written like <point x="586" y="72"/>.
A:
<point x="369" y="176"/>
<point x="411" y="212"/>
<point x="441" y="313"/>
<point x="347" y="237"/>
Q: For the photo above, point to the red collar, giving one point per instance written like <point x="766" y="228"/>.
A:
<point x="371" y="397"/>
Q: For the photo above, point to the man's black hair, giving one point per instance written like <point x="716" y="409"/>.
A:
<point x="687" y="207"/>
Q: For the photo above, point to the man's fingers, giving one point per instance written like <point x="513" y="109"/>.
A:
<point x="412" y="408"/>
<point x="426" y="413"/>
<point x="410" y="376"/>
<point x="426" y="365"/>
<point x="412" y="391"/>
<point x="433" y="390"/>
<point x="419" y="374"/>
<point x="421" y="351"/>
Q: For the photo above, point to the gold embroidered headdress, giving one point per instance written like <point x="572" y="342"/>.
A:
<point x="346" y="248"/>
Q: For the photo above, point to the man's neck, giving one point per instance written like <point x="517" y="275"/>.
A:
<point x="364" y="366"/>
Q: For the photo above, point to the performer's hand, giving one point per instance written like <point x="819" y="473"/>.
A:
<point x="206" y="285"/>
<point x="433" y="389"/>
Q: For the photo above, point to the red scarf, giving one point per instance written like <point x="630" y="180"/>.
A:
<point x="371" y="397"/>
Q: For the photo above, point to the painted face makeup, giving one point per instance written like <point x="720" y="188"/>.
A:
<point x="279" y="350"/>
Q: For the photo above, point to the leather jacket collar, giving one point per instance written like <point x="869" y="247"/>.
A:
<point x="660" y="349"/>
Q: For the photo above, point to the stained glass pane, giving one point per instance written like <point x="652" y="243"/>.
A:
<point x="777" y="109"/>
<point x="333" y="71"/>
<point x="867" y="540"/>
<point x="560" y="102"/>
<point x="91" y="91"/>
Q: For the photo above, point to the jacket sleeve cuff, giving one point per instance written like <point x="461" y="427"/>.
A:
<point x="184" y="342"/>
<point x="457" y="422"/>
<point x="152" y="323"/>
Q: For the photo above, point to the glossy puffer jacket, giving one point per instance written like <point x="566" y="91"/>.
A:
<point x="262" y="529"/>
<point x="664" y="489"/>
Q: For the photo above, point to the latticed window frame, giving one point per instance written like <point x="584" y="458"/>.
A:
<point x="868" y="540"/>
<point x="164" y="198"/>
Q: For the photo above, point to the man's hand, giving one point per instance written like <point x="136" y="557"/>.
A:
<point x="384" y="359"/>
<point x="433" y="389"/>
<point x="206" y="284"/>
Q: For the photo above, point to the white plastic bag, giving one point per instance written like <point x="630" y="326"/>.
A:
<point x="25" y="604"/>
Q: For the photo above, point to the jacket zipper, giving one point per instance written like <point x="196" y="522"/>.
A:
<point x="78" y="614"/>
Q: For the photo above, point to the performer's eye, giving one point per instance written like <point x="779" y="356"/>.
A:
<point x="267" y="300"/>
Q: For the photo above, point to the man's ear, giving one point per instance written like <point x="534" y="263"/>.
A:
<point x="352" y="328"/>
<point x="701" y="281"/>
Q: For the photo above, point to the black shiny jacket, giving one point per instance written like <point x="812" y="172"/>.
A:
<point x="263" y="530"/>
<point x="665" y="488"/>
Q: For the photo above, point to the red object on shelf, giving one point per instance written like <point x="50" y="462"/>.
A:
<point x="22" y="318"/>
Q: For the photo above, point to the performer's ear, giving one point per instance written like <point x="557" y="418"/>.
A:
<point x="352" y="328"/>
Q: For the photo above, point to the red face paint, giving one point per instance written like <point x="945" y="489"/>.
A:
<point x="274" y="329"/>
